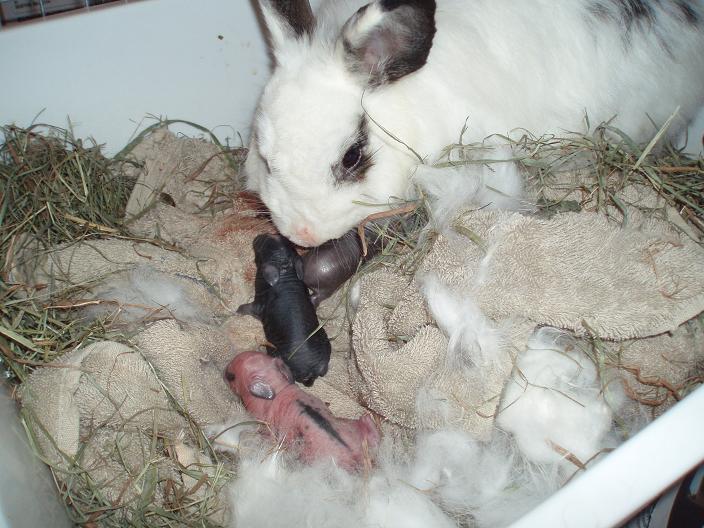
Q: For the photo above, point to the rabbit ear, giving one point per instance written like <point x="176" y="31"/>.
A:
<point x="261" y="389"/>
<point x="298" y="265"/>
<point x="271" y="274"/>
<point x="287" y="20"/>
<point x="388" y="39"/>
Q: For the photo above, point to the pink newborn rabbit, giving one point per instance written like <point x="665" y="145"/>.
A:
<point x="297" y="418"/>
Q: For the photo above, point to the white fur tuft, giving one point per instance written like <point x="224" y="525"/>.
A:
<point x="553" y="403"/>
<point x="398" y="504"/>
<point x="474" y="340"/>
<point x="491" y="482"/>
<point x="448" y="480"/>
<point x="145" y="292"/>
<point x="270" y="493"/>
<point x="481" y="186"/>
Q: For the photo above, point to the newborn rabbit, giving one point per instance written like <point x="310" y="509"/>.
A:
<point x="298" y="419"/>
<point x="283" y="305"/>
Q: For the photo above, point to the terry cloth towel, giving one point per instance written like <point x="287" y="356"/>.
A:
<point x="103" y="419"/>
<point x="575" y="271"/>
<point x="112" y="384"/>
<point x="189" y="172"/>
<point x="628" y="287"/>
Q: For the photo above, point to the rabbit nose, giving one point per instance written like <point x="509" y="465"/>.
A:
<point x="304" y="237"/>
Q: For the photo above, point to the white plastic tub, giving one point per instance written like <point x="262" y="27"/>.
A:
<point x="28" y="497"/>
<point x="206" y="62"/>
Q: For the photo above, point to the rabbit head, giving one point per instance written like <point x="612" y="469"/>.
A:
<point x="317" y="158"/>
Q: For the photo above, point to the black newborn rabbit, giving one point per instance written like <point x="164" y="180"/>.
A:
<point x="282" y="303"/>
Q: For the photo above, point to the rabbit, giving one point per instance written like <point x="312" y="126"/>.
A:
<point x="299" y="419"/>
<point x="362" y="93"/>
<point x="330" y="265"/>
<point x="283" y="305"/>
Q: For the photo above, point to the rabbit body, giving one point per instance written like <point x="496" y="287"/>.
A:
<point x="356" y="97"/>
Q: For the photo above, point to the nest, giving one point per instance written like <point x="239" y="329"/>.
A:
<point x="57" y="189"/>
<point x="570" y="173"/>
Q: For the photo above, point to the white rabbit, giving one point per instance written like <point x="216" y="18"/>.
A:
<point x="349" y="84"/>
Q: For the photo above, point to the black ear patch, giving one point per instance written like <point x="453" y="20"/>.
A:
<point x="397" y="44"/>
<point x="297" y="14"/>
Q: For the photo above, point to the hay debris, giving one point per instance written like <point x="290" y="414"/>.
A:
<point x="55" y="190"/>
<point x="595" y="171"/>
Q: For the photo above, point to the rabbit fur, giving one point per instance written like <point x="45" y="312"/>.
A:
<point x="360" y="90"/>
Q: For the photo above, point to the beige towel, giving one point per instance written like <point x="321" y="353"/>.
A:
<point x="94" y="408"/>
<point x="103" y="409"/>
<point x="575" y="271"/>
<point x="658" y="371"/>
<point x="104" y="383"/>
<point x="192" y="173"/>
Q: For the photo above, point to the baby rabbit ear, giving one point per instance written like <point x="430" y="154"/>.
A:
<point x="388" y="39"/>
<point x="287" y="20"/>
<point x="298" y="265"/>
<point x="261" y="389"/>
<point x="270" y="273"/>
<point x="283" y="369"/>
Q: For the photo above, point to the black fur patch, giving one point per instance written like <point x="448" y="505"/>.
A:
<point x="629" y="12"/>
<point x="642" y="15"/>
<point x="321" y="422"/>
<point x="636" y="10"/>
<point x="359" y="143"/>
<point x="297" y="13"/>
<point x="389" y="5"/>
<point x="398" y="45"/>
<point x="688" y="12"/>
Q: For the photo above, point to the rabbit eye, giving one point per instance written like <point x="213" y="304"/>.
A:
<point x="355" y="162"/>
<point x="352" y="156"/>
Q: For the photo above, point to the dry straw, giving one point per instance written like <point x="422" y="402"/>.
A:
<point x="608" y="162"/>
<point x="57" y="190"/>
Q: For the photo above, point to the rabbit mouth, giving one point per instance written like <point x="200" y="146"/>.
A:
<point x="305" y="236"/>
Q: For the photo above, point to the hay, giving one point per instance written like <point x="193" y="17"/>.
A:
<point x="608" y="163"/>
<point x="56" y="190"/>
<point x="571" y="173"/>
